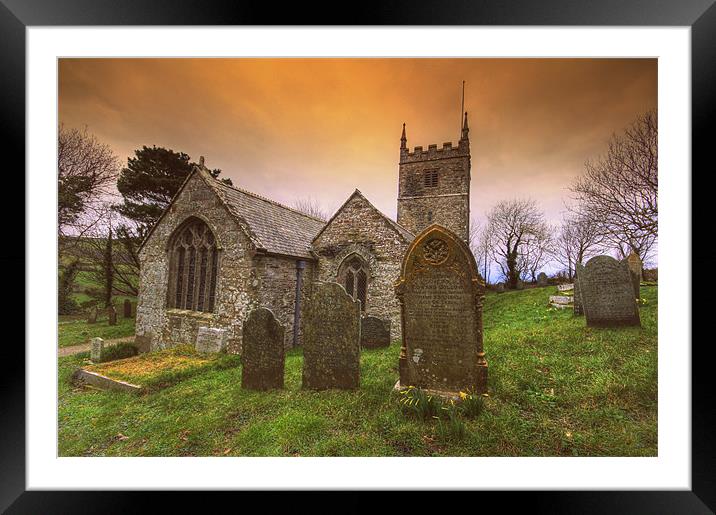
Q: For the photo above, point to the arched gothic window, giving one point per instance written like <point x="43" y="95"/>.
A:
<point x="353" y="274"/>
<point x="193" y="266"/>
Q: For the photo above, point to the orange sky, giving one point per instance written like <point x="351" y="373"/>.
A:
<point x="294" y="128"/>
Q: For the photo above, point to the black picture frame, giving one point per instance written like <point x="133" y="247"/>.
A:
<point x="16" y="15"/>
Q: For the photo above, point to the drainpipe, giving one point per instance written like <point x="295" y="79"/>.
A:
<point x="300" y="265"/>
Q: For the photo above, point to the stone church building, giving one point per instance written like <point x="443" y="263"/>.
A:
<point x="218" y="252"/>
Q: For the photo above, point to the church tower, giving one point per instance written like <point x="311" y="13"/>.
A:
<point x="434" y="186"/>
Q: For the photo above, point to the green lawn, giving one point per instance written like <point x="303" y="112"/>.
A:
<point x="556" y="388"/>
<point x="74" y="330"/>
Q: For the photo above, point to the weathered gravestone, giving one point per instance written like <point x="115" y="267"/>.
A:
<point x="577" y="295"/>
<point x="262" y="351"/>
<point x="565" y="287"/>
<point x="143" y="342"/>
<point x="112" y="315"/>
<point x="441" y="295"/>
<point x="607" y="293"/>
<point x="374" y="332"/>
<point x="634" y="264"/>
<point x="542" y="279"/>
<point x="97" y="349"/>
<point x="92" y="318"/>
<point x="127" y="309"/>
<point x="210" y="339"/>
<point x="331" y="339"/>
<point x="500" y="288"/>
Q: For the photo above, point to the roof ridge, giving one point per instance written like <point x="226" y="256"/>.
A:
<point x="265" y="199"/>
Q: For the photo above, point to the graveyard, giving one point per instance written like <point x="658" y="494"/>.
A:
<point x="556" y="387"/>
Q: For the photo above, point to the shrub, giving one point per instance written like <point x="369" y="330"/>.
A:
<point x="66" y="304"/>
<point x="119" y="351"/>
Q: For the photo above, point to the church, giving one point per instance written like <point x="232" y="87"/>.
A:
<point x="218" y="252"/>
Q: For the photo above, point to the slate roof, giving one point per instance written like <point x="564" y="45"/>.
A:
<point x="271" y="226"/>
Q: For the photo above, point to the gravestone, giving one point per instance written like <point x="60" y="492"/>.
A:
<point x="565" y="287"/>
<point x="500" y="288"/>
<point x="210" y="340"/>
<point x="97" y="349"/>
<point x="92" y="318"/>
<point x="542" y="279"/>
<point x="374" y="332"/>
<point x="112" y="315"/>
<point x="635" y="264"/>
<point x="577" y="296"/>
<point x="441" y="295"/>
<point x="262" y="351"/>
<point x="127" y="309"/>
<point x="331" y="339"/>
<point x="607" y="292"/>
<point x="143" y="342"/>
<point x="560" y="301"/>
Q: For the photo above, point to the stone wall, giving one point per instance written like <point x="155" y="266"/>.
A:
<point x="359" y="228"/>
<point x="276" y="281"/>
<point x="234" y="296"/>
<point x="448" y="203"/>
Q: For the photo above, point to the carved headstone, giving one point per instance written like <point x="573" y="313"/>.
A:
<point x="607" y="292"/>
<point x="97" y="349"/>
<point x="210" y="339"/>
<point x="127" y="309"/>
<point x="441" y="295"/>
<point x="565" y="287"/>
<point x="262" y="352"/>
<point x="374" y="332"/>
<point x="542" y="279"/>
<point x="92" y="318"/>
<point x="331" y="339"/>
<point x="112" y="315"/>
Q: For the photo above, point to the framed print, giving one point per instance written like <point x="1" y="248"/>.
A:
<point x="278" y="263"/>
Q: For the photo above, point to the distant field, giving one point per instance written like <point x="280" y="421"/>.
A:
<point x="556" y="388"/>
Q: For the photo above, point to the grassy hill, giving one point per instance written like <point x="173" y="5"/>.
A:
<point x="556" y="388"/>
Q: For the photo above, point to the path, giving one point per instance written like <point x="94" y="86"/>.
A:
<point x="85" y="347"/>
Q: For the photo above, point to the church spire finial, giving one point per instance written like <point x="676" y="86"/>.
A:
<point x="403" y="139"/>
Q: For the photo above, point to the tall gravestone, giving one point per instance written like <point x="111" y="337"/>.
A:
<point x="441" y="296"/>
<point x="112" y="315"/>
<point x="92" y="318"/>
<point x="634" y="263"/>
<point x="374" y="332"/>
<point x="127" y="309"/>
<point x="262" y="351"/>
<point x="331" y="339"/>
<point x="607" y="292"/>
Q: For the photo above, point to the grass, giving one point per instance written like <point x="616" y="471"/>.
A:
<point x="74" y="330"/>
<point x="556" y="388"/>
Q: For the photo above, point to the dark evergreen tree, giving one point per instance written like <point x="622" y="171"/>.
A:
<point x="150" y="181"/>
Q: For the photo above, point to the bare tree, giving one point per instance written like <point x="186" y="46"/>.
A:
<point x="537" y="251"/>
<point x="311" y="207"/>
<point x="618" y="191"/>
<point x="576" y="240"/>
<point x="480" y="242"/>
<point x="512" y="225"/>
<point x="87" y="170"/>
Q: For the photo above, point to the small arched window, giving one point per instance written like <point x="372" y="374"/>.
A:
<point x="193" y="266"/>
<point x="353" y="274"/>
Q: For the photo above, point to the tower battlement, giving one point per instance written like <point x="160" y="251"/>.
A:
<point x="434" y="185"/>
